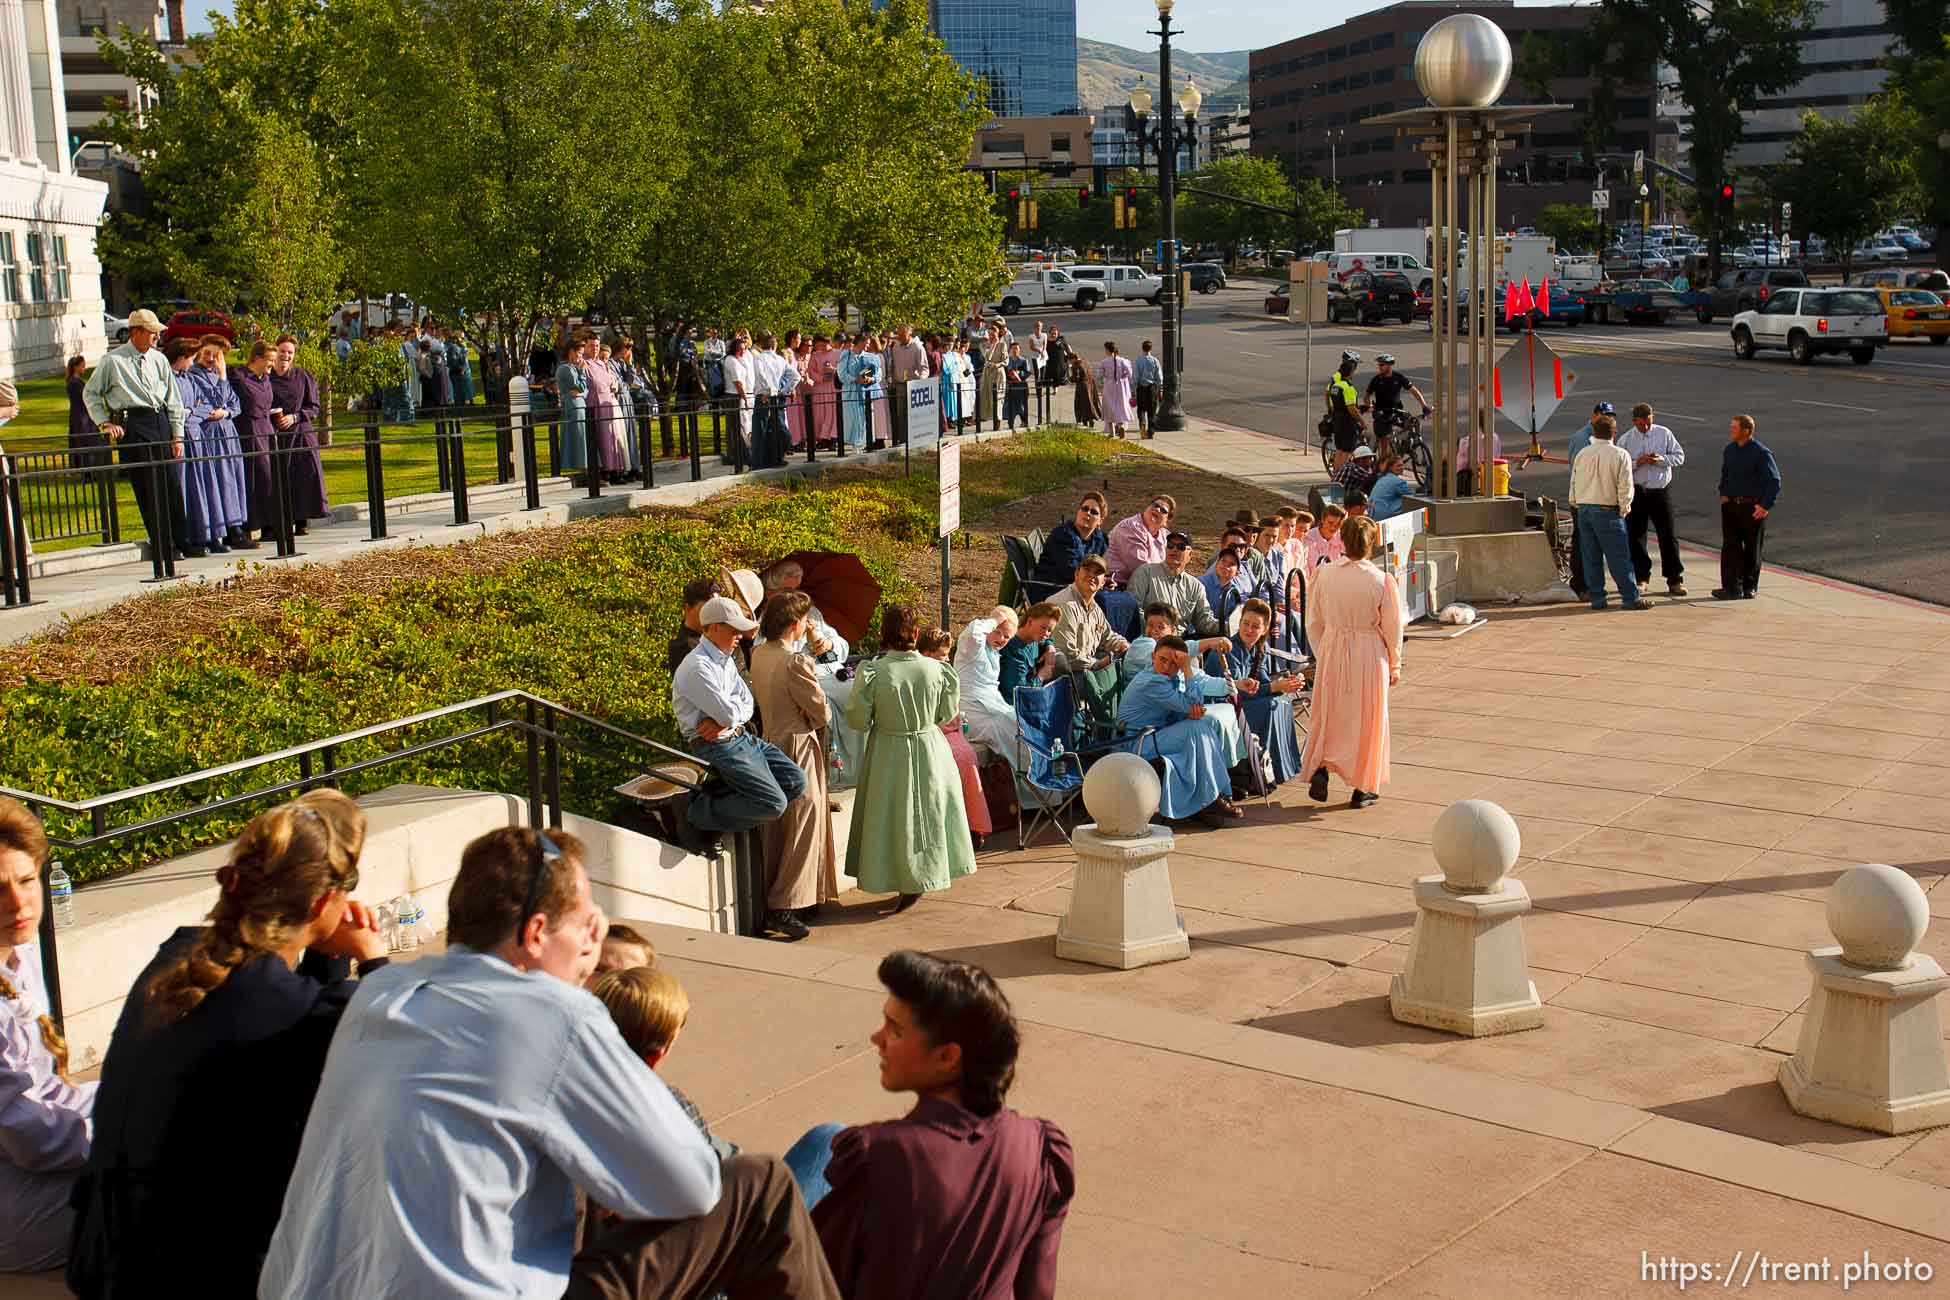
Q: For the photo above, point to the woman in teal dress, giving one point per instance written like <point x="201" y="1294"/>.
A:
<point x="572" y="390"/>
<point x="910" y="825"/>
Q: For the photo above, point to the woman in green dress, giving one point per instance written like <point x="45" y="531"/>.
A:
<point x="909" y="823"/>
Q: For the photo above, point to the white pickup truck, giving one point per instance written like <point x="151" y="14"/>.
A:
<point x="1121" y="283"/>
<point x="1045" y="286"/>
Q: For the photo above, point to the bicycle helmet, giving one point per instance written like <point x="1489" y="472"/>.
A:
<point x="1355" y="357"/>
<point x="1384" y="359"/>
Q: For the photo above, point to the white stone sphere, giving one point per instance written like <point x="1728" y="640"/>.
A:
<point x="1463" y="62"/>
<point x="1121" y="792"/>
<point x="1476" y="844"/>
<point x="1878" y="914"/>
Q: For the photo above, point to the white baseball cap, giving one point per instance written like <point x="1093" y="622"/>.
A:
<point x="723" y="609"/>
<point x="1363" y="451"/>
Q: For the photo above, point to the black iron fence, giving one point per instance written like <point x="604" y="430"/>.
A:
<point x="95" y="493"/>
<point x="544" y="728"/>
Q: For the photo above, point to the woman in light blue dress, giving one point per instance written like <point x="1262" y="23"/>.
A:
<point x="859" y="374"/>
<point x="954" y="367"/>
<point x="216" y="452"/>
<point x="572" y="391"/>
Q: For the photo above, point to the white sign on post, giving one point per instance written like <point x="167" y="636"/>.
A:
<point x="1601" y="198"/>
<point x="1398" y="536"/>
<point x="950" y="488"/>
<point x="923" y="413"/>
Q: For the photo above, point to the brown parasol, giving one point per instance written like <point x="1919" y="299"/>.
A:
<point x="841" y="587"/>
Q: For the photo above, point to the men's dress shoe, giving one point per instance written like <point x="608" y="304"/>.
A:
<point x="302" y="530"/>
<point x="1228" y="809"/>
<point x="1721" y="593"/>
<point x="1640" y="603"/>
<point x="1317" y="787"/>
<point x="1362" y="799"/>
<point x="1675" y="589"/>
<point x="192" y="552"/>
<point x="247" y="544"/>
<point x="785" y="923"/>
<point x="1748" y="595"/>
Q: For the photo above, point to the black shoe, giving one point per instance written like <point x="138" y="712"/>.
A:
<point x="1721" y="593"/>
<point x="785" y="923"/>
<point x="302" y="530"/>
<point x="907" y="901"/>
<point x="1362" y="798"/>
<point x="1317" y="787"/>
<point x="1748" y="595"/>
<point x="191" y="552"/>
<point x="808" y="915"/>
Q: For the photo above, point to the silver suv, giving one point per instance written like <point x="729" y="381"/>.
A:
<point x="1809" y="322"/>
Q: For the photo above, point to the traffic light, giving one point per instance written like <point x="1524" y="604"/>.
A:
<point x="1130" y="207"/>
<point x="1083" y="196"/>
<point x="1726" y="196"/>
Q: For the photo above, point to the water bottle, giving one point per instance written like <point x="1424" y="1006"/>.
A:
<point x="838" y="763"/>
<point x="407" y="913"/>
<point x="388" y="926"/>
<point x="422" y="932"/>
<point x="60" y="897"/>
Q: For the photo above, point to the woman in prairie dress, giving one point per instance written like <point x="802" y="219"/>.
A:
<point x="572" y="390"/>
<point x="801" y="862"/>
<point x="1114" y="382"/>
<point x="822" y="372"/>
<point x="1086" y="391"/>
<point x="210" y="439"/>
<point x="612" y="459"/>
<point x="858" y="372"/>
<point x="1354" y="622"/>
<point x="954" y="373"/>
<point x="936" y="644"/>
<point x="883" y="419"/>
<point x="795" y="396"/>
<point x="251" y="382"/>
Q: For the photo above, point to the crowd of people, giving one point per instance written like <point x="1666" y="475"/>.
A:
<point x="283" y="1112"/>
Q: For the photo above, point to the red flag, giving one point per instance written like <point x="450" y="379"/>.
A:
<point x="1516" y="299"/>
<point x="1543" y="299"/>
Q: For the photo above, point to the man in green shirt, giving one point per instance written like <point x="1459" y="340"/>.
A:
<point x="132" y="396"/>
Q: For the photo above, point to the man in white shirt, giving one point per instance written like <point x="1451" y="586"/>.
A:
<point x="751" y="781"/>
<point x="1655" y="455"/>
<point x="740" y="384"/>
<point x="768" y="423"/>
<point x="1601" y="489"/>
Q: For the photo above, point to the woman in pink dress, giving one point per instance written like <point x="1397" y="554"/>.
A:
<point x="795" y="402"/>
<point x="936" y="644"/>
<point x="883" y="420"/>
<point x="825" y="359"/>
<point x="1354" y="623"/>
<point x="1114" y="382"/>
<point x="605" y="429"/>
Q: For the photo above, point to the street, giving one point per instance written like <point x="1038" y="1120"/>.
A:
<point x="1863" y="453"/>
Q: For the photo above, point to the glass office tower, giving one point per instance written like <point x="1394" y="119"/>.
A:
<point x="1025" y="49"/>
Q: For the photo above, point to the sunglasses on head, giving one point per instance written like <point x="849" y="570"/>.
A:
<point x="546" y="852"/>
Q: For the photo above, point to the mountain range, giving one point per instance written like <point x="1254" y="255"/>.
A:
<point x="1106" y="73"/>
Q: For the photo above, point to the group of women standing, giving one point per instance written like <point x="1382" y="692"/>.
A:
<point x="602" y="394"/>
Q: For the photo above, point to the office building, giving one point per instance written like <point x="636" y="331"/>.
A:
<point x="1841" y="67"/>
<point x="1311" y="95"/>
<point x="50" y="278"/>
<point x="1026" y="50"/>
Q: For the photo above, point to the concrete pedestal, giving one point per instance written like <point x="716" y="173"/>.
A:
<point x="1871" y="1053"/>
<point x="1454" y="515"/>
<point x="1468" y="970"/>
<point x="1501" y="567"/>
<point x="1121" y="910"/>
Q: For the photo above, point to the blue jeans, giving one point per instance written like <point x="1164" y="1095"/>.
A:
<point x="762" y="782"/>
<point x="808" y="1160"/>
<point x="1602" y="540"/>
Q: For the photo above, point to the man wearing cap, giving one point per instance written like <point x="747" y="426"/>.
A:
<point x="751" y="781"/>
<point x="1385" y="397"/>
<point x="1168" y="582"/>
<point x="132" y="396"/>
<point x="1359" y="473"/>
<point x="1579" y="441"/>
<point x="1139" y="540"/>
<point x="1344" y="408"/>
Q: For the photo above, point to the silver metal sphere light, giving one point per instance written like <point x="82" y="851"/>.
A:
<point x="1463" y="62"/>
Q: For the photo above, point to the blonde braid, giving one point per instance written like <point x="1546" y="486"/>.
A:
<point x="57" y="1046"/>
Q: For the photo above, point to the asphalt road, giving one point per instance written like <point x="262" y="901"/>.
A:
<point x="1864" y="450"/>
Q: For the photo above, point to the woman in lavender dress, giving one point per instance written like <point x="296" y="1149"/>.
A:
<point x="294" y="398"/>
<point x="217" y="460"/>
<point x="1114" y="382"/>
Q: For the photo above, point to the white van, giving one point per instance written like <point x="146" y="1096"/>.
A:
<point x="1342" y="264"/>
<point x="1121" y="283"/>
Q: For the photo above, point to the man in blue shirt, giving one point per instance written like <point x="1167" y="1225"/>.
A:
<point x="751" y="780"/>
<point x="1750" y="482"/>
<point x="470" y="1094"/>
<point x="1146" y="378"/>
<point x="1579" y="441"/>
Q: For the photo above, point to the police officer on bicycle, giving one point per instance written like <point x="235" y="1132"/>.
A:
<point x="1343" y="420"/>
<point x="1385" y="399"/>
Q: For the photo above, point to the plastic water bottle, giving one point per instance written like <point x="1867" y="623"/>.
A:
<point x="407" y="913"/>
<point x="838" y="763"/>
<point x="60" y="897"/>
<point x="388" y="926"/>
<point x="422" y="932"/>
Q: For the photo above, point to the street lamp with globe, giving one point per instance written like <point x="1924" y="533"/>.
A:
<point x="1170" y="416"/>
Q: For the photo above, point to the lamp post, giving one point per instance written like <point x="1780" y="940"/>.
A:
<point x="1334" y="136"/>
<point x="1170" y="416"/>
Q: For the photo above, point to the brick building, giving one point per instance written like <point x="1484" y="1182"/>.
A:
<point x="1311" y="94"/>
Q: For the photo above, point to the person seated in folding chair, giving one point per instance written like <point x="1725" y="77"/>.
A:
<point x="1267" y="686"/>
<point x="1161" y="621"/>
<point x="1083" y="641"/>
<point x="1164" y="696"/>
<point x="1028" y="658"/>
<point x="989" y="719"/>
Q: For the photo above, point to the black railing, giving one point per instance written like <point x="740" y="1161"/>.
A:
<point x="541" y="724"/>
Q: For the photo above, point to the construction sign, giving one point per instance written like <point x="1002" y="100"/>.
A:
<point x="1530" y="382"/>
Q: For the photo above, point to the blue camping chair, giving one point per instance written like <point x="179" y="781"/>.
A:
<point x="1052" y="777"/>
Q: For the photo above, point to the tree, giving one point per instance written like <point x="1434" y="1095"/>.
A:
<point x="1849" y="178"/>
<point x="1203" y="219"/>
<point x="1572" y="225"/>
<point x="1322" y="212"/>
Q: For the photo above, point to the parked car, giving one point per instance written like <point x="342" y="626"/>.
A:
<point x="1206" y="277"/>
<point x="194" y="324"/>
<point x="1916" y="314"/>
<point x="1880" y="250"/>
<point x="1121" y="283"/>
<point x="115" y="328"/>
<point x="1276" y="301"/>
<point x="1648" y="302"/>
<point x="1738" y="291"/>
<point x="1370" y="297"/>
<point x="1810" y="322"/>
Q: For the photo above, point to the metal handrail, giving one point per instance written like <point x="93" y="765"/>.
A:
<point x="538" y="720"/>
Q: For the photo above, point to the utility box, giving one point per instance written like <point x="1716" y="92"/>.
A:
<point x="1307" y="294"/>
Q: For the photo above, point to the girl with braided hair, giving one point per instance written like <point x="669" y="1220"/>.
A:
<point x="210" y="1075"/>
<point x="44" y="1124"/>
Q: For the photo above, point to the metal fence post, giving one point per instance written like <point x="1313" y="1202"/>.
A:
<point x="697" y="435"/>
<point x="439" y="431"/>
<point x="504" y="447"/>
<point x="375" y="476"/>
<point x="454" y="446"/>
<point x="646" y="448"/>
<point x="552" y="753"/>
<point x="13" y="546"/>
<point x="534" y="766"/>
<point x="591" y="464"/>
<point x="50" y="954"/>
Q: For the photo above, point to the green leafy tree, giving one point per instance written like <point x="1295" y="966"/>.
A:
<point x="1847" y="179"/>
<point x="1204" y="219"/>
<point x="1323" y="210"/>
<point x="1570" y="224"/>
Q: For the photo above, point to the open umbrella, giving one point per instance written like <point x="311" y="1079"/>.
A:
<point x="841" y="587"/>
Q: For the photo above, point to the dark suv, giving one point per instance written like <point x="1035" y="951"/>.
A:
<point x="1738" y="291"/>
<point x="1206" y="277"/>
<point x="1371" y="296"/>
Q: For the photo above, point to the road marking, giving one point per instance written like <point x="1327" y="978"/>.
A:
<point x="1835" y="406"/>
<point x="1244" y="353"/>
<point x="1674" y="415"/>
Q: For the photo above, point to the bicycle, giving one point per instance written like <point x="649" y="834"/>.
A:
<point x="1406" y="441"/>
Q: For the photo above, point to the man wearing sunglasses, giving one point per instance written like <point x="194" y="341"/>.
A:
<point x="469" y="1095"/>
<point x="1139" y="540"/>
<point x="1068" y="543"/>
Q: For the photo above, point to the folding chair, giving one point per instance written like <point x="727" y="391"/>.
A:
<point x="1018" y="564"/>
<point x="1052" y="778"/>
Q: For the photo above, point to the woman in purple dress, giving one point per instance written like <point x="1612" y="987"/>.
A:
<point x="83" y="437"/>
<point x="294" y="402"/>
<point x="251" y="383"/>
<point x="216" y="456"/>
<point x="1114" y="382"/>
<point x="604" y="428"/>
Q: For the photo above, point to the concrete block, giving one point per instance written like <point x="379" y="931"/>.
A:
<point x="1503" y="567"/>
<point x="1451" y="515"/>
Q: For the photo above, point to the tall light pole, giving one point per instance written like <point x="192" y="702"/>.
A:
<point x="1170" y="416"/>
<point x="1334" y="136"/>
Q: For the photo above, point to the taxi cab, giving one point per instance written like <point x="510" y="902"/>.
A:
<point x="1916" y="313"/>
